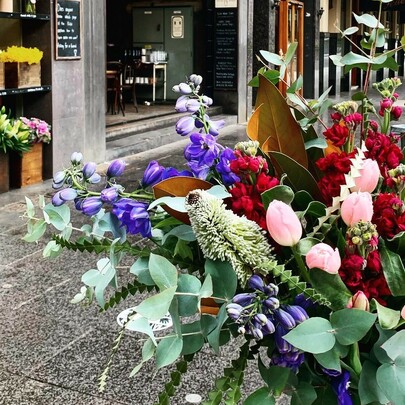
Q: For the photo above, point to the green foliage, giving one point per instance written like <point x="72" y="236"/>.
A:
<point x="224" y="280"/>
<point x="394" y="270"/>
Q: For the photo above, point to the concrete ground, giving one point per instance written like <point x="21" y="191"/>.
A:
<point x="51" y="351"/>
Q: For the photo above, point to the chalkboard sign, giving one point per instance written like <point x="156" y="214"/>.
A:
<point x="67" y="19"/>
<point x="226" y="48"/>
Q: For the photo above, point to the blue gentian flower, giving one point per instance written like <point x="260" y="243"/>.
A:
<point x="133" y="215"/>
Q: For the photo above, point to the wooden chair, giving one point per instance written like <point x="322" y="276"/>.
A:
<point x="114" y="89"/>
<point x="128" y="82"/>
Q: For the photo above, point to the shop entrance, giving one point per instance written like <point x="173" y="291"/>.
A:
<point x="290" y="29"/>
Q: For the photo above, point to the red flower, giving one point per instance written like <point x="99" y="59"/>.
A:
<point x="389" y="216"/>
<point x="396" y="112"/>
<point x="265" y="182"/>
<point x="351" y="271"/>
<point x="337" y="134"/>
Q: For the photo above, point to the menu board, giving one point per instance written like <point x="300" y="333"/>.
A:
<point x="67" y="20"/>
<point x="226" y="48"/>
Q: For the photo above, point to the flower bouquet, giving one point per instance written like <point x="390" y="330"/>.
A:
<point x="293" y="241"/>
<point x="40" y="131"/>
<point x="14" y="134"/>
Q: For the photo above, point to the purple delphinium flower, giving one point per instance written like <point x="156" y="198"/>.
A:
<point x="68" y="194"/>
<point x="152" y="174"/>
<point x="215" y="126"/>
<point x="202" y="148"/>
<point x="199" y="170"/>
<point x="109" y="195"/>
<point x="89" y="169"/>
<point x="133" y="215"/>
<point x="181" y="104"/>
<point x="224" y="169"/>
<point x="116" y="168"/>
<point x="76" y="158"/>
<point x="94" y="178"/>
<point x="256" y="282"/>
<point x="340" y="385"/>
<point x="193" y="105"/>
<point x="58" y="180"/>
<point x="91" y="206"/>
<point x="170" y="172"/>
<point x="291" y="360"/>
<point x="57" y="200"/>
<point x="185" y="125"/>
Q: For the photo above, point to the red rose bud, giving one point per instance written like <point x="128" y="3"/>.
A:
<point x="359" y="301"/>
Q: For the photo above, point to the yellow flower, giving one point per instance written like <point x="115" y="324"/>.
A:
<point x="21" y="54"/>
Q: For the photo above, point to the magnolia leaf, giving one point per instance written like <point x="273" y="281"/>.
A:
<point x="315" y="335"/>
<point x="297" y="176"/>
<point x="163" y="272"/>
<point x="274" y="126"/>
<point x="394" y="270"/>
<point x="156" y="306"/>
<point x="397" y="243"/>
<point x="178" y="186"/>
<point x="368" y="20"/>
<point x="351" y="324"/>
<point x="280" y="193"/>
<point x="387" y="317"/>
<point x="188" y="304"/>
<point x="319" y="143"/>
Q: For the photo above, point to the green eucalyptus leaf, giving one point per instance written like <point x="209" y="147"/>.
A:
<point x="214" y="336"/>
<point x="391" y="380"/>
<point x="329" y="359"/>
<point x="368" y="20"/>
<point x="387" y="318"/>
<point x="193" y="339"/>
<point x="30" y="211"/>
<point x="52" y="250"/>
<point x="350" y="31"/>
<point x="207" y="288"/>
<point x="36" y="231"/>
<point x="141" y="324"/>
<point x="304" y="394"/>
<point x="337" y="60"/>
<point x="156" y="306"/>
<point x="352" y="58"/>
<point x="296" y="86"/>
<point x="141" y="270"/>
<point x="315" y="335"/>
<point x="188" y="305"/>
<point x="280" y="193"/>
<point x="305" y="244"/>
<point x="331" y="287"/>
<point x="290" y="52"/>
<point x="394" y="270"/>
<point x="59" y="217"/>
<point x="168" y="350"/>
<point x="351" y="324"/>
<point x="379" y="353"/>
<point x="275" y="377"/>
<point x="224" y="278"/>
<point x="182" y="232"/>
<point x="369" y="391"/>
<point x="91" y="277"/>
<point x="270" y="57"/>
<point x="162" y="271"/>
<point x="262" y="396"/>
<point x="394" y="348"/>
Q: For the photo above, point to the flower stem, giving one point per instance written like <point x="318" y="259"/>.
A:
<point x="301" y="265"/>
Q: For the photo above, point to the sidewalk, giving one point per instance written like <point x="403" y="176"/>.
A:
<point x="51" y="351"/>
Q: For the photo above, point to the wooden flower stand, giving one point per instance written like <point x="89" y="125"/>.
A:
<point x="26" y="169"/>
<point x="22" y="74"/>
<point x="2" y="84"/>
<point x="4" y="173"/>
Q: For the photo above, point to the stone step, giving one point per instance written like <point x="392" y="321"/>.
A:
<point x="143" y="141"/>
<point x="149" y="124"/>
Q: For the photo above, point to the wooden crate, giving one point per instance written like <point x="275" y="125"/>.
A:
<point x="6" y="6"/>
<point x="26" y="169"/>
<point x="4" y="173"/>
<point x="2" y="84"/>
<point x="22" y="74"/>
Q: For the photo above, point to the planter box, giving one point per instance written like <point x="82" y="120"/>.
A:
<point x="26" y="169"/>
<point x="2" y="84"/>
<point x="20" y="75"/>
<point x="4" y="173"/>
<point x="6" y="6"/>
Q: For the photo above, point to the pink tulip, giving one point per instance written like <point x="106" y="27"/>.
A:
<point x="369" y="176"/>
<point x="356" y="207"/>
<point x="359" y="301"/>
<point x="283" y="224"/>
<point x="324" y="257"/>
<point x="403" y="312"/>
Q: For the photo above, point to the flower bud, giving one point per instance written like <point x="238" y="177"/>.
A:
<point x="89" y="169"/>
<point x="109" y="195"/>
<point x="299" y="314"/>
<point x="59" y="177"/>
<point x="193" y="105"/>
<point x="243" y="299"/>
<point x="285" y="319"/>
<point x="369" y="176"/>
<point x="181" y="104"/>
<point x="282" y="345"/>
<point x="271" y="303"/>
<point x="207" y="100"/>
<point x="196" y="79"/>
<point x="94" y="178"/>
<point x="268" y="328"/>
<point x="76" y="158"/>
<point x="256" y="282"/>
<point x="324" y="257"/>
<point x="57" y="200"/>
<point x="152" y="174"/>
<point x="215" y="126"/>
<point x="68" y="194"/>
<point x="91" y="206"/>
<point x="396" y="112"/>
<point x="185" y="125"/>
<point x="261" y="319"/>
<point x="184" y="88"/>
<point x="241" y="330"/>
<point x="357" y="206"/>
<point x="271" y="289"/>
<point x="234" y="311"/>
<point x="116" y="168"/>
<point x="257" y="334"/>
<point x="359" y="301"/>
<point x="79" y="203"/>
<point x="283" y="224"/>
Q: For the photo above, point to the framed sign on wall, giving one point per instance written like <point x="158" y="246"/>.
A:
<point x="67" y="29"/>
